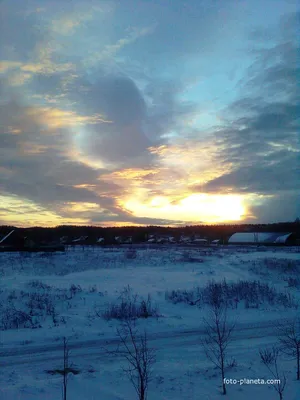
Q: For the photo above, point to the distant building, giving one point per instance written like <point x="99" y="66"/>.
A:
<point x="151" y="240"/>
<point x="64" y="240"/>
<point x="172" y="239"/>
<point x="80" y="240"/>
<point x="123" y="239"/>
<point x="263" y="238"/>
<point x="164" y="238"/>
<point x="161" y="238"/>
<point x="185" y="239"/>
<point x="200" y="241"/>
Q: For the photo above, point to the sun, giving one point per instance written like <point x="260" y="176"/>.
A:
<point x="222" y="208"/>
<point x="230" y="208"/>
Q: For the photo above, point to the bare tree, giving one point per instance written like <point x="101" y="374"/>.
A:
<point x="270" y="360"/>
<point x="289" y="338"/>
<point x="66" y="368"/>
<point x="217" y="336"/>
<point x="134" y="348"/>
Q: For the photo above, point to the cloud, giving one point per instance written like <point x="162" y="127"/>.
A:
<point x="7" y="65"/>
<point x="278" y="208"/>
<point x="167" y="112"/>
<point x="119" y="100"/>
<point x="19" y="44"/>
<point x="39" y="140"/>
<point x="34" y="157"/>
<point x="260" y="142"/>
<point x="100" y="111"/>
<point x="272" y="177"/>
<point x="68" y="23"/>
<point x="20" y="212"/>
<point x="140" y="117"/>
<point x="36" y="165"/>
<point x="32" y="49"/>
<point x="56" y="118"/>
<point x="290" y="25"/>
<point x="129" y="218"/>
<point x="109" y="51"/>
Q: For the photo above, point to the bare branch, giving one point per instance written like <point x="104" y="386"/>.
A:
<point x="289" y="339"/>
<point x="217" y="336"/>
<point x="138" y="355"/>
<point x="269" y="357"/>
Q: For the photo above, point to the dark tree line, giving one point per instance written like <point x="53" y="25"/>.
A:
<point x="140" y="234"/>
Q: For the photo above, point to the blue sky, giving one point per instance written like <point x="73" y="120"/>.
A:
<point x="149" y="112"/>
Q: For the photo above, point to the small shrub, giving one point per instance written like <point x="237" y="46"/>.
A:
<point x="130" y="308"/>
<point x="293" y="282"/>
<point x="74" y="289"/>
<point x="271" y="265"/>
<point x="93" y="289"/>
<point x="267" y="356"/>
<point x="15" y="319"/>
<point x="12" y="295"/>
<point x="65" y="371"/>
<point x="232" y="363"/>
<point x="130" y="254"/>
<point x="180" y="296"/>
<point x="36" y="284"/>
<point x="188" y="258"/>
<point x="252" y="293"/>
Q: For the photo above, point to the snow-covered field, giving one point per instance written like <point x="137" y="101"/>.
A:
<point x="45" y="297"/>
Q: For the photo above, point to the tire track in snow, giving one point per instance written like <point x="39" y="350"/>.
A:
<point x="98" y="347"/>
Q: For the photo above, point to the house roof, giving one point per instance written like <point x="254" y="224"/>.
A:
<point x="283" y="238"/>
<point x="6" y="236"/>
<point x="81" y="239"/>
<point x="259" y="237"/>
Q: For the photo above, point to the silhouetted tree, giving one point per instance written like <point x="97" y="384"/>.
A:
<point x="218" y="333"/>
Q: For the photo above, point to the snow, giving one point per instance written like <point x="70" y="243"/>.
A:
<point x="182" y="370"/>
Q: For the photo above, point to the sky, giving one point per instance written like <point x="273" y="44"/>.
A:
<point x="139" y="112"/>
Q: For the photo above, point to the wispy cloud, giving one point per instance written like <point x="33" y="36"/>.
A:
<point x="55" y="118"/>
<point x="108" y="52"/>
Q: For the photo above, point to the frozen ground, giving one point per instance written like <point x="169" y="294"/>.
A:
<point x="65" y="294"/>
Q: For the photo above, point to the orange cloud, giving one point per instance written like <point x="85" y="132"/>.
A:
<point x="58" y="118"/>
<point x="22" y="72"/>
<point x="130" y="174"/>
<point x="82" y="207"/>
<point x="14" y="130"/>
<point x="7" y="65"/>
<point x="22" y="212"/>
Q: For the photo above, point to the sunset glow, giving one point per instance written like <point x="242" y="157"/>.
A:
<point x="202" y="207"/>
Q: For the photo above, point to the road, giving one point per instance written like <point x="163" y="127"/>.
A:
<point x="244" y="335"/>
